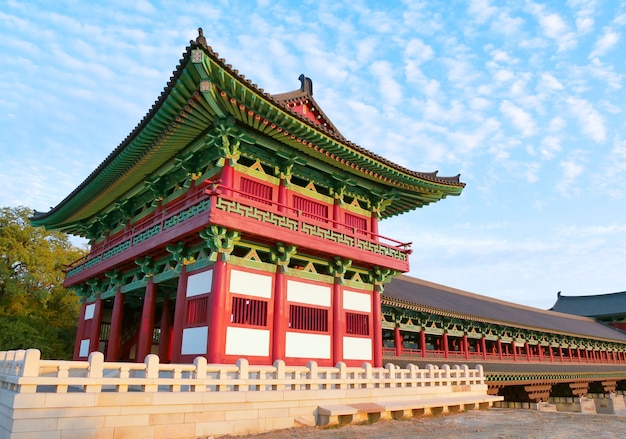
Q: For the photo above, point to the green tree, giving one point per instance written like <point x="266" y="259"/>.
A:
<point x="36" y="311"/>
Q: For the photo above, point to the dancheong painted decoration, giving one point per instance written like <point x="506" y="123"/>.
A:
<point x="234" y="223"/>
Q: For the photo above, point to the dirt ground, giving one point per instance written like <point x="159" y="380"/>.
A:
<point x="476" y="424"/>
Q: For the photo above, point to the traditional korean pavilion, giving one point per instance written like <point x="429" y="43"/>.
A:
<point x="606" y="308"/>
<point x="235" y="223"/>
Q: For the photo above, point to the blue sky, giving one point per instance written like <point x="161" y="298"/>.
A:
<point x="523" y="98"/>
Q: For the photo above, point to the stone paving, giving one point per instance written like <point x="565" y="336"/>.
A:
<point x="476" y="424"/>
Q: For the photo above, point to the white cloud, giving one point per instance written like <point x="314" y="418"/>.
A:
<point x="553" y="26"/>
<point x="390" y="89"/>
<point x="144" y="6"/>
<point x="479" y="104"/>
<point x="550" y="147"/>
<point x="521" y="119"/>
<point x="591" y="122"/>
<point x="505" y="24"/>
<point x="482" y="10"/>
<point x="605" y="42"/>
<point x="418" y="51"/>
<point x="549" y="83"/>
<point x="503" y="75"/>
<point x="597" y="230"/>
<point x="557" y="124"/>
<point x="584" y="14"/>
<point x="605" y="73"/>
<point x="612" y="177"/>
<point x="571" y="169"/>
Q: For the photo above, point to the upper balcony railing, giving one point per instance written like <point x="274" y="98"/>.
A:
<point x="234" y="208"/>
<point x="289" y="218"/>
<point x="595" y="357"/>
<point x="142" y="230"/>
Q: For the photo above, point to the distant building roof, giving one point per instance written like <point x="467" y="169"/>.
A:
<point x="602" y="305"/>
<point x="426" y="296"/>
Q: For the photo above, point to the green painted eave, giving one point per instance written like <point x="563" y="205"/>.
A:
<point x="204" y="88"/>
<point x="409" y="189"/>
<point x="178" y="118"/>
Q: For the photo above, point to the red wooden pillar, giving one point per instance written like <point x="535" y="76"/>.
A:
<point x="146" y="328"/>
<point x="180" y="314"/>
<point x="423" y="343"/>
<point x="117" y="318"/>
<point x="217" y="327"/>
<point x="281" y="316"/>
<point x="540" y="351"/>
<point x="374" y="227"/>
<point x="336" y="213"/>
<point x="569" y="353"/>
<point x="228" y="177"/>
<point x="465" y="346"/>
<point x="514" y="346"/>
<point x="499" y="349"/>
<point x="578" y="354"/>
<point x="96" y="326"/>
<point x="397" y="340"/>
<point x="80" y="330"/>
<point x="165" y="339"/>
<point x="527" y="347"/>
<point x="378" y="329"/>
<point x="446" y="347"/>
<point x="282" y="195"/>
<point x="338" y="324"/>
<point x="483" y="345"/>
<point x="551" y="351"/>
<point x="561" y="353"/>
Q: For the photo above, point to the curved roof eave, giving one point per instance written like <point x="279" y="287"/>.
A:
<point x="108" y="172"/>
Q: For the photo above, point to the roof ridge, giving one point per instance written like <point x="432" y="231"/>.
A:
<point x="487" y="298"/>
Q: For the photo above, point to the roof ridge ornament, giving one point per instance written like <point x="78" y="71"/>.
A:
<point x="306" y="84"/>
<point x="200" y="39"/>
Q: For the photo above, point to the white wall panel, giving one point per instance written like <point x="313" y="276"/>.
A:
<point x="307" y="345"/>
<point x="354" y="301"/>
<point x="251" y="284"/>
<point x="84" y="348"/>
<point x="199" y="283"/>
<point x="318" y="295"/>
<point x="195" y="340"/>
<point x="247" y="341"/>
<point x="89" y="311"/>
<point x="357" y="348"/>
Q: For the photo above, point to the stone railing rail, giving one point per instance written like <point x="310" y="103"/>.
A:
<point x="25" y="372"/>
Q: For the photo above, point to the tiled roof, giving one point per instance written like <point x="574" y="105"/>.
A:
<point x="419" y="294"/>
<point x="157" y="138"/>
<point x="601" y="305"/>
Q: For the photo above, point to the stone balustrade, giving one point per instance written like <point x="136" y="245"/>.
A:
<point x="24" y="372"/>
<point x="59" y="399"/>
